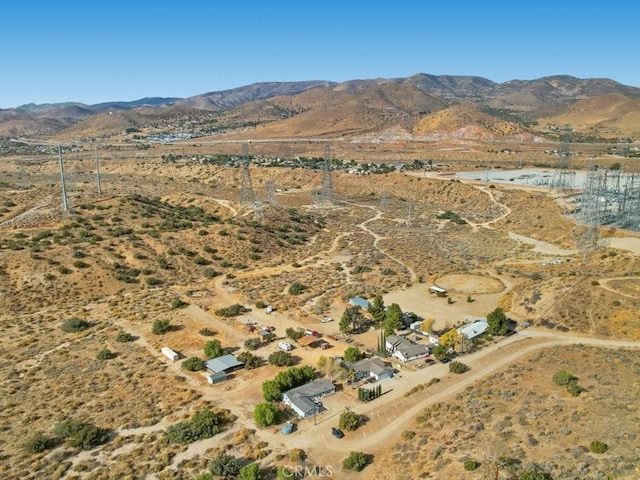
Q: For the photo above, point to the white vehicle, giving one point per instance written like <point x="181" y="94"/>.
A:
<point x="286" y="346"/>
<point x="327" y="320"/>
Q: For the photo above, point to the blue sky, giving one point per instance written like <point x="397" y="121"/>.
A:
<point x="93" y="51"/>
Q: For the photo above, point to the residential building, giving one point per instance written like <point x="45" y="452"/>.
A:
<point x="370" y="368"/>
<point x="304" y="399"/>
<point x="403" y="349"/>
<point x="475" y="329"/>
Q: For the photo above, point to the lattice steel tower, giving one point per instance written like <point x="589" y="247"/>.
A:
<point x="271" y="192"/>
<point x="326" y="193"/>
<point x="246" y="188"/>
<point x="563" y="178"/>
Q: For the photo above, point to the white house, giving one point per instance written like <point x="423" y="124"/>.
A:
<point x="475" y="329"/>
<point x="405" y="350"/>
<point x="370" y="367"/>
<point x="304" y="399"/>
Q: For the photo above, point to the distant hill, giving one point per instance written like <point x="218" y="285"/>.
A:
<point x="420" y="107"/>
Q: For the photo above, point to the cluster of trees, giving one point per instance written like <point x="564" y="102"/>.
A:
<point x="286" y="380"/>
<point x="353" y="354"/>
<point x="213" y="349"/>
<point x="250" y="360"/>
<point x="266" y="414"/>
<point x="367" y="394"/>
<point x="281" y="359"/>
<point x="498" y="322"/>
<point x="389" y="318"/>
<point x="294" y="334"/>
<point x="203" y="424"/>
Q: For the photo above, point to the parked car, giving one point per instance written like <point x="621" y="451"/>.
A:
<point x="336" y="432"/>
<point x="286" y="346"/>
<point x="312" y="332"/>
<point x="445" y="360"/>
<point x="327" y="320"/>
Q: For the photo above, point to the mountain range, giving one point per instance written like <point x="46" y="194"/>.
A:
<point x="419" y="107"/>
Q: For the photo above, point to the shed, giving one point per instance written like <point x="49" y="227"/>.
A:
<point x="225" y="363"/>
<point x="217" y="377"/>
<point x="170" y="354"/>
<point x="307" y="341"/>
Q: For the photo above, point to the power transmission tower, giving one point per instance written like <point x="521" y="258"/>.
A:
<point x="271" y="192"/>
<point x="326" y="193"/>
<point x="563" y="178"/>
<point x="258" y="210"/>
<point x="384" y="201"/>
<point x="246" y="188"/>
<point x="409" y="212"/>
<point x="95" y="153"/>
<point x="65" y="200"/>
<point x="21" y="179"/>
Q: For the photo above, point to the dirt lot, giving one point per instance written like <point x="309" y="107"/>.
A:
<point x="164" y="232"/>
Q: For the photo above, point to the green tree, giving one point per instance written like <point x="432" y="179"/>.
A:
<point x="224" y="465"/>
<point x="439" y="352"/>
<point x="160" y="327"/>
<point x="265" y="414"/>
<point x="348" y="320"/>
<point x="213" y="349"/>
<point x="377" y="309"/>
<point x="280" y="358"/>
<point x="250" y="472"/>
<point x="355" y="461"/>
<point x="564" y="378"/>
<point x="450" y="338"/>
<point x="193" y="364"/>
<point x="498" y="322"/>
<point x="350" y="420"/>
<point x="250" y="360"/>
<point x="124" y="337"/>
<point x="392" y="319"/>
<point x="252" y="343"/>
<point x="81" y="435"/>
<point x="353" y="354"/>
<point x="271" y="391"/>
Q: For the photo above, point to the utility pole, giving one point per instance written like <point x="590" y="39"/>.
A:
<point x="95" y="153"/>
<point x="65" y="201"/>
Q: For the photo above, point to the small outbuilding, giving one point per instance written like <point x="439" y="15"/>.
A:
<point x="217" y="377"/>
<point x="437" y="290"/>
<point x="170" y="354"/>
<point x="225" y="363"/>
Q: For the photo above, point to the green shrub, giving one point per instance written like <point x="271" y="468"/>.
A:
<point x="193" y="364"/>
<point x="261" y="304"/>
<point x="178" y="303"/>
<point x="350" y="420"/>
<point x="152" y="281"/>
<point x="124" y="337"/>
<point x="211" y="273"/>
<point x="105" y="354"/>
<point x="280" y="359"/>
<point x="408" y="435"/>
<point x="225" y="465"/>
<point x="38" y="443"/>
<point x="74" y="325"/>
<point x="458" y="367"/>
<point x="471" y="465"/>
<point x="250" y="472"/>
<point x="355" y="461"/>
<point x="598" y="447"/>
<point x="80" y="264"/>
<point x="203" y="424"/>
<point x="296" y="288"/>
<point x="160" y="327"/>
<point x="563" y="378"/>
<point x="232" y="311"/>
<point x="81" y="435"/>
<point x="250" y="360"/>
<point x="252" y="343"/>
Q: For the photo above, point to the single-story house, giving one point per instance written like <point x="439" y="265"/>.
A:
<point x="304" y="399"/>
<point x="405" y="350"/>
<point x="475" y="329"/>
<point x="217" y="377"/>
<point x="225" y="363"/>
<point x="359" y="302"/>
<point x="370" y="368"/>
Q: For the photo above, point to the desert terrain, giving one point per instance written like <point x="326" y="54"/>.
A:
<point x="170" y="239"/>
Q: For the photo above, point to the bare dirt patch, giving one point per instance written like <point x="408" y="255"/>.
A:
<point x="471" y="284"/>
